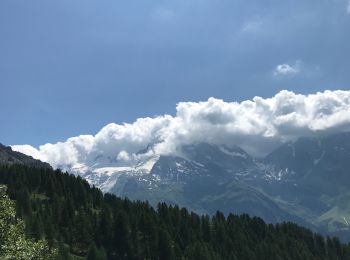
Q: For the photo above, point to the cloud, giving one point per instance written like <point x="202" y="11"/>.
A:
<point x="348" y="8"/>
<point x="257" y="125"/>
<point x="287" y="70"/>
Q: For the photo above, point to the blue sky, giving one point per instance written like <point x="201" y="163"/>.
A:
<point x="70" y="67"/>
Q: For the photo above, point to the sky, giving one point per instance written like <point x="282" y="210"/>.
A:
<point x="73" y="67"/>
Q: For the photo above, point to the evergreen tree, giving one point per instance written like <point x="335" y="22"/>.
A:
<point x="95" y="253"/>
<point x="122" y="236"/>
<point x="165" y="248"/>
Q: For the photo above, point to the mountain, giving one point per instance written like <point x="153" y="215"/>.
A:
<point x="206" y="179"/>
<point x="10" y="157"/>
<point x="322" y="164"/>
<point x="315" y="179"/>
<point x="305" y="181"/>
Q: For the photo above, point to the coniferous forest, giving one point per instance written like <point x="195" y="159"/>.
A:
<point x="80" y="222"/>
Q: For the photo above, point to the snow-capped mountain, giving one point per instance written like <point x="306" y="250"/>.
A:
<point x="305" y="181"/>
<point x="194" y="160"/>
<point x="105" y="172"/>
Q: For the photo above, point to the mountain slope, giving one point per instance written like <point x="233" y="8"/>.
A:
<point x="10" y="157"/>
<point x="316" y="180"/>
<point x="201" y="186"/>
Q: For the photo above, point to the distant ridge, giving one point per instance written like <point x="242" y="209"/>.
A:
<point x="10" y="157"/>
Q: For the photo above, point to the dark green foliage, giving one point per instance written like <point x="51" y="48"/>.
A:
<point x="79" y="220"/>
<point x="63" y="252"/>
<point x="95" y="253"/>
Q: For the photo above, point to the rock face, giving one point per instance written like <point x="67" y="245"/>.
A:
<point x="10" y="157"/>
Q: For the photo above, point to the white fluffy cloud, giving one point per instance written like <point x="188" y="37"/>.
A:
<point x="257" y="125"/>
<point x="287" y="69"/>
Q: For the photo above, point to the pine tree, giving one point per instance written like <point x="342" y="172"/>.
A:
<point x="165" y="247"/>
<point x="122" y="237"/>
<point x="96" y="254"/>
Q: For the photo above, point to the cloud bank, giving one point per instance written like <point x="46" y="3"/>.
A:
<point x="257" y="125"/>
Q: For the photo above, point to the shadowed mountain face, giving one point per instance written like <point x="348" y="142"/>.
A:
<point x="206" y="178"/>
<point x="9" y="157"/>
<point x="322" y="164"/>
<point x="315" y="180"/>
<point x="317" y="167"/>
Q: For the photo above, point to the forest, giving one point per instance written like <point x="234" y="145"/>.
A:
<point x="76" y="221"/>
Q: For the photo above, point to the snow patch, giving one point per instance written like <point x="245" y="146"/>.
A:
<point x="148" y="165"/>
<point x="316" y="161"/>
<point x="231" y="153"/>
<point x="112" y="170"/>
